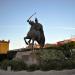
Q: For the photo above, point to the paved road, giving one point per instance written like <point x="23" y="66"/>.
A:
<point x="63" y="72"/>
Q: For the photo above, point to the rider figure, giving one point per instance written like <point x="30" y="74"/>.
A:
<point x="35" y="25"/>
<point x="39" y="27"/>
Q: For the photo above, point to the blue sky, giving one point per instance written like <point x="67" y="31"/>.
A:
<point x="56" y="16"/>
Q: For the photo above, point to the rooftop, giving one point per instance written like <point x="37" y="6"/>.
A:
<point x="4" y="41"/>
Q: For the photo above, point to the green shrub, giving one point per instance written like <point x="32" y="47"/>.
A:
<point x="4" y="64"/>
<point x="51" y="54"/>
<point x="18" y="65"/>
<point x="44" y="66"/>
<point x="47" y="65"/>
<point x="33" y="67"/>
<point x="51" y="59"/>
<point x="68" y="64"/>
<point x="73" y="64"/>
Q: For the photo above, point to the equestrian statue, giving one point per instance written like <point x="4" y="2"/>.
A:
<point x="35" y="33"/>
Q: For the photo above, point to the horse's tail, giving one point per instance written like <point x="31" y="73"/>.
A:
<point x="42" y="42"/>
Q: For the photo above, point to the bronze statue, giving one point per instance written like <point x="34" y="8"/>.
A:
<point x="35" y="33"/>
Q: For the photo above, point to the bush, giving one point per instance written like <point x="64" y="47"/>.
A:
<point x="73" y="64"/>
<point x="51" y="54"/>
<point x="47" y="65"/>
<point x="33" y="67"/>
<point x="4" y="64"/>
<point x="51" y="59"/>
<point x="17" y="65"/>
<point x="44" y="66"/>
<point x="68" y="64"/>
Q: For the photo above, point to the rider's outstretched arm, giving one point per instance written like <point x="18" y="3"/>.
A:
<point x="30" y="22"/>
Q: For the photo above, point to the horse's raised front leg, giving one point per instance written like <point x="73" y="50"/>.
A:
<point x="25" y="39"/>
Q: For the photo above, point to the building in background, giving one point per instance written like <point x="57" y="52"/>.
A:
<point x="72" y="39"/>
<point x="4" y="46"/>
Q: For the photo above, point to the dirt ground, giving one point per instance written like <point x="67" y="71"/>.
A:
<point x="52" y="72"/>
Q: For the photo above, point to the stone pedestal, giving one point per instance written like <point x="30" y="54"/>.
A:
<point x="28" y="57"/>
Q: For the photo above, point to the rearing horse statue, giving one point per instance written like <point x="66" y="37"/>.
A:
<point x="35" y="33"/>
